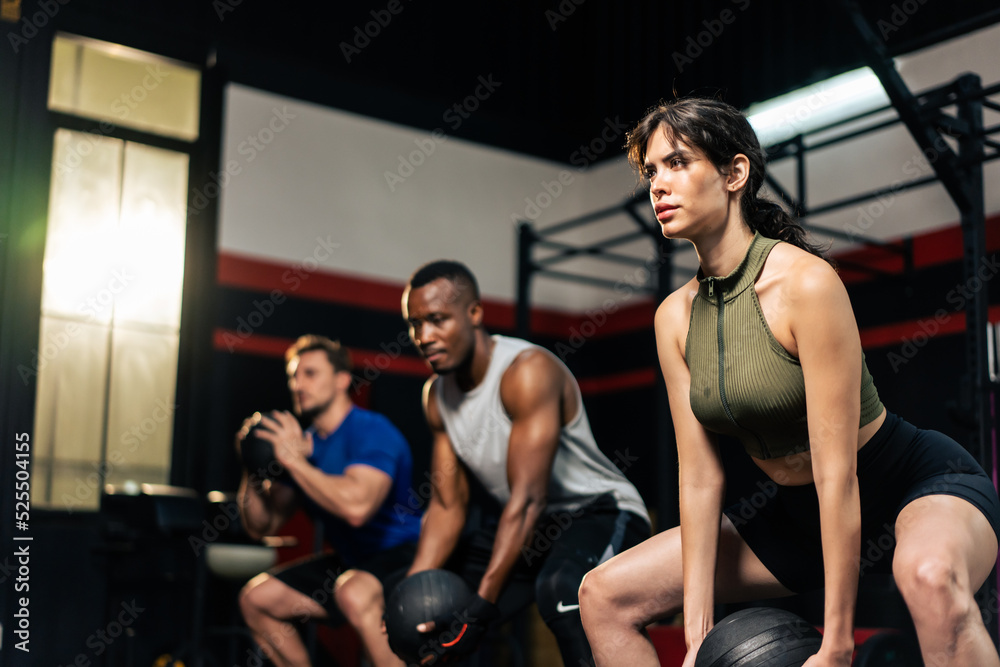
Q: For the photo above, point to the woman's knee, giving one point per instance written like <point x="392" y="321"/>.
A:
<point x="588" y="595"/>
<point x="593" y="589"/>
<point x="604" y="594"/>
<point x="933" y="586"/>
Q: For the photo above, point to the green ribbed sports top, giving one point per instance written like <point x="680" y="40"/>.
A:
<point x="743" y="382"/>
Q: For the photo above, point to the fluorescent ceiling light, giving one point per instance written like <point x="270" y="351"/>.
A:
<point x="817" y="105"/>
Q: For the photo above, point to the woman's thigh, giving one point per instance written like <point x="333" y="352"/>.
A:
<point x="649" y="578"/>
<point x="949" y="531"/>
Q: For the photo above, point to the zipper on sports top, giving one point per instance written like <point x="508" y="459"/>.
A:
<point x="722" y="374"/>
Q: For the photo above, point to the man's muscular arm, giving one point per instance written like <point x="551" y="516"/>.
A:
<point x="531" y="393"/>
<point x="449" y="500"/>
<point x="354" y="496"/>
<point x="264" y="505"/>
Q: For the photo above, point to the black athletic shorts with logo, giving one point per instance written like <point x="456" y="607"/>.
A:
<point x="564" y="547"/>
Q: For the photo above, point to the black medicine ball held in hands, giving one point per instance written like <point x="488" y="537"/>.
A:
<point x="759" y="637"/>
<point x="431" y="595"/>
<point x="257" y="454"/>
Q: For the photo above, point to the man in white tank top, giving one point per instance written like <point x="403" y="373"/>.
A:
<point x="511" y="413"/>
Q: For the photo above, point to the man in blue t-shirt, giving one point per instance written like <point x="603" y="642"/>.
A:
<point x="348" y="469"/>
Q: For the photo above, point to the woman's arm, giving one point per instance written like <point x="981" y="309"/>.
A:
<point x="829" y="349"/>
<point x="702" y="481"/>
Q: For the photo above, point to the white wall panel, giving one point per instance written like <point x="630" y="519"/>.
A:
<point x="305" y="177"/>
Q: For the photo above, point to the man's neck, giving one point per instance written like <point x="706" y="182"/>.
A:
<point x="469" y="376"/>
<point x="330" y="419"/>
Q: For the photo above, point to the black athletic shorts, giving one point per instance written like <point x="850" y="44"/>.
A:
<point x="315" y="576"/>
<point x="898" y="465"/>
<point x="564" y="546"/>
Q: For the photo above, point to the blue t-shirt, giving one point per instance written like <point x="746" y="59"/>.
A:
<point x="368" y="438"/>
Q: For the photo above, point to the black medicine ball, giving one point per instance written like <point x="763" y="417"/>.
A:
<point x="431" y="595"/>
<point x="257" y="455"/>
<point x="759" y="637"/>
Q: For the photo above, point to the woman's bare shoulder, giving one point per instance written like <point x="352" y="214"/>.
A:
<point x="800" y="269"/>
<point x="676" y="308"/>
<point x="674" y="315"/>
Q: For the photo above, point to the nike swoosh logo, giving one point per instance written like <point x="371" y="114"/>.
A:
<point x="562" y="608"/>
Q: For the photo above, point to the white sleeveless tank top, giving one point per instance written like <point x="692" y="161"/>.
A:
<point x="479" y="430"/>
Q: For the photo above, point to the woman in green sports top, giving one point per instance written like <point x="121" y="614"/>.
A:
<point x="762" y="346"/>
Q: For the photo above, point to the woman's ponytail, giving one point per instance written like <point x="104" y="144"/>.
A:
<point x="774" y="222"/>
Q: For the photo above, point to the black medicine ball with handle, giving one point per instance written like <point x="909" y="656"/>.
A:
<point x="257" y="455"/>
<point x="431" y="595"/>
<point x="759" y="637"/>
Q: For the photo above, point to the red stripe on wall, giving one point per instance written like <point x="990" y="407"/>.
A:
<point x="365" y="361"/>
<point x="264" y="276"/>
<point x="368" y="363"/>
<point x="234" y="270"/>
<point x="606" y="384"/>
<point x="257" y="344"/>
<point x="929" y="249"/>
<point x="952" y="322"/>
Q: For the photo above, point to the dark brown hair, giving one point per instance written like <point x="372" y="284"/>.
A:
<point x="720" y="131"/>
